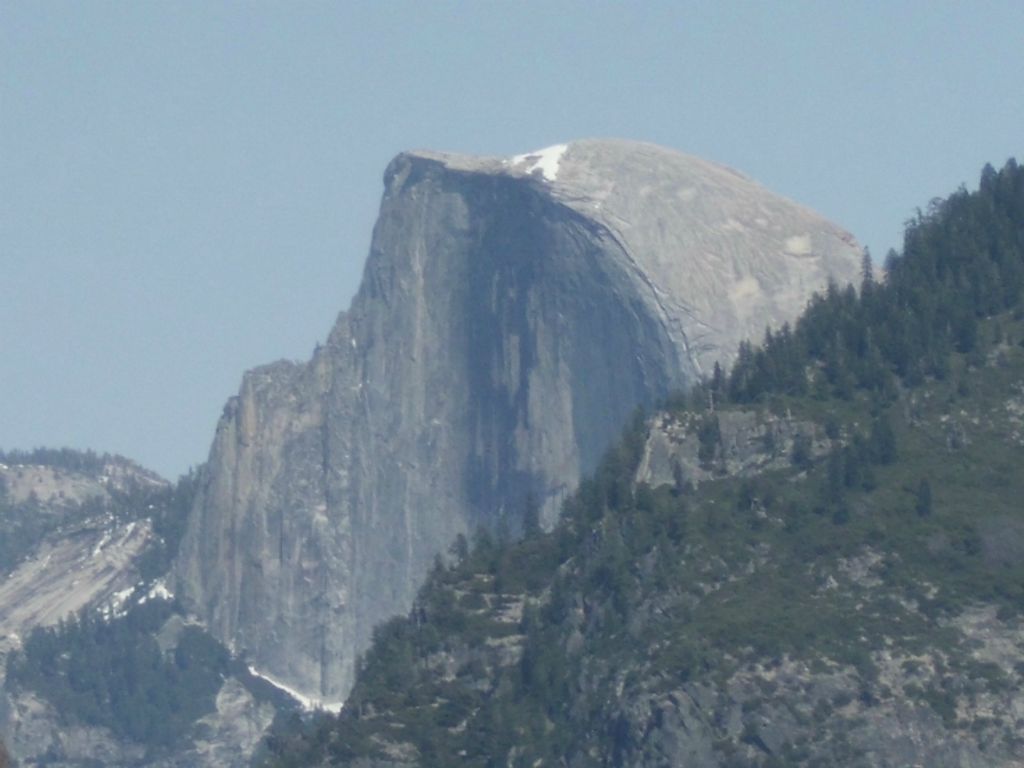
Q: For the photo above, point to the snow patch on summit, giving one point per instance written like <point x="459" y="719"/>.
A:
<point x="544" y="160"/>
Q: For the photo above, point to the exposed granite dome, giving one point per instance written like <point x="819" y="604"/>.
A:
<point x="512" y="314"/>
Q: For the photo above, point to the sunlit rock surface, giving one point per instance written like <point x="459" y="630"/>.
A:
<point x="512" y="313"/>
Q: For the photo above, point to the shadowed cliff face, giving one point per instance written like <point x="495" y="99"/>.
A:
<point x="511" y="316"/>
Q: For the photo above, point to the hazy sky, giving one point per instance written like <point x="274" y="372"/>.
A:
<point x="188" y="189"/>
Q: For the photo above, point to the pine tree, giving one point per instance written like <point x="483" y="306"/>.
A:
<point x="867" y="271"/>
<point x="883" y="441"/>
<point x="923" y="501"/>
<point x="531" y="516"/>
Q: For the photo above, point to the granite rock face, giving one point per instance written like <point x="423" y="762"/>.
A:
<point x="745" y="444"/>
<point x="512" y="314"/>
<point x="76" y="553"/>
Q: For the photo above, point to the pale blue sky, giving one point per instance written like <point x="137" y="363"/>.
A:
<point x="187" y="189"/>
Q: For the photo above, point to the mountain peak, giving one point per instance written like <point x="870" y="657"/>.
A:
<point x="721" y="253"/>
<point x="596" y="157"/>
<point x="513" y="313"/>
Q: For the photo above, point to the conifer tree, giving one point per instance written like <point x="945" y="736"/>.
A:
<point x="923" y="501"/>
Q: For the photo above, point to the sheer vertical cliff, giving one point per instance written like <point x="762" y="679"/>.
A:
<point x="512" y="313"/>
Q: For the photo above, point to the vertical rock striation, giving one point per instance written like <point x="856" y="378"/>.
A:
<point x="512" y="314"/>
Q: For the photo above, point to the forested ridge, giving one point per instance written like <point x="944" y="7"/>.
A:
<point x="24" y="523"/>
<point x="785" y="618"/>
<point x="113" y="673"/>
<point x="106" y="668"/>
<point x="70" y="459"/>
<point x="961" y="262"/>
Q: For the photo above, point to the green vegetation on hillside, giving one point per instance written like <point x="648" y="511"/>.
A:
<point x="168" y="509"/>
<point x="529" y="653"/>
<point x="22" y="527"/>
<point x="961" y="263"/>
<point x="113" y="673"/>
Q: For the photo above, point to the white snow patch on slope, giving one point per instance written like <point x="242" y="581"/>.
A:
<point x="115" y="607"/>
<point x="309" y="703"/>
<point x="544" y="160"/>
<point x="101" y="544"/>
<point x="161" y="591"/>
<point x="158" y="591"/>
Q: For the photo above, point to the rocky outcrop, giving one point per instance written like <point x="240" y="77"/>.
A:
<point x="75" y="537"/>
<point x="59" y="488"/>
<point x="92" y="563"/>
<point x="73" y="546"/>
<point x="796" y="715"/>
<point x="226" y="738"/>
<point x="512" y="313"/>
<point x="35" y="733"/>
<point x="688" y="449"/>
